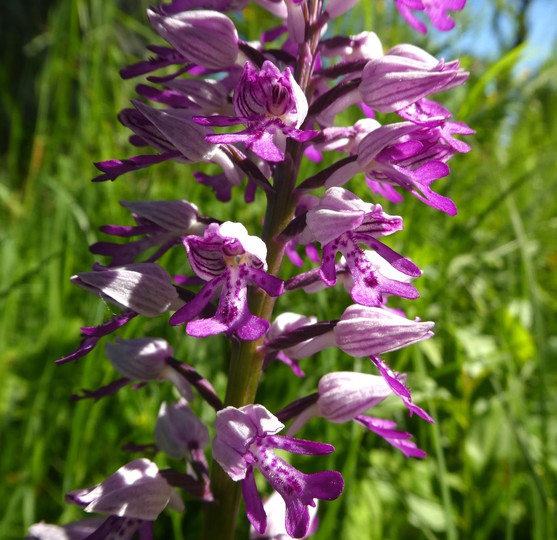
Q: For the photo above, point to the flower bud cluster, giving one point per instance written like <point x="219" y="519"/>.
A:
<point x="256" y="110"/>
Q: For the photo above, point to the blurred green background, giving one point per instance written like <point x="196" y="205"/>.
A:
<point x="488" y="377"/>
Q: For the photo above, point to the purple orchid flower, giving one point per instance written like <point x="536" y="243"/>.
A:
<point x="340" y="222"/>
<point x="133" y="497"/>
<point x="246" y="439"/>
<point x="229" y="259"/>
<point x="361" y="331"/>
<point x="271" y="105"/>
<point x="206" y="38"/>
<point x="179" y="432"/>
<point x="146" y="359"/>
<point x="404" y="154"/>
<point x="160" y="223"/>
<point x="345" y="396"/>
<point x="145" y="288"/>
<point x="436" y="10"/>
<point x="175" y="135"/>
<point x="405" y="74"/>
<point x="389" y="82"/>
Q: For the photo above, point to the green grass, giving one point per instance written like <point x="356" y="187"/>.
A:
<point x="488" y="377"/>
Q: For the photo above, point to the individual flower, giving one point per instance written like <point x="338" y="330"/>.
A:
<point x="340" y="222"/>
<point x="436" y="10"/>
<point x="146" y="359"/>
<point x="159" y="223"/>
<point x="345" y="396"/>
<point x="205" y="37"/>
<point x="245" y="440"/>
<point x="387" y="82"/>
<point x="379" y="266"/>
<point x="145" y="288"/>
<point x="361" y="331"/>
<point x="179" y="432"/>
<point x="271" y="105"/>
<point x="174" y="134"/>
<point x="404" y="75"/>
<point x="228" y="259"/>
<point x="404" y="155"/>
<point x="133" y="497"/>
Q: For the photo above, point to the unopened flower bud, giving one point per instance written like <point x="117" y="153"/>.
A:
<point x="179" y="430"/>
<point x="207" y="38"/>
<point x="139" y="359"/>
<point x="344" y="395"/>
<point x="145" y="359"/>
<point x="136" y="490"/>
<point x="144" y="287"/>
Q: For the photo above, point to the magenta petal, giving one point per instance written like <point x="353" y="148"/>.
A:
<point x="404" y="265"/>
<point x="398" y="387"/>
<point x="265" y="148"/>
<point x="113" y="168"/>
<point x="272" y="285"/>
<point x="297" y="517"/>
<point x="299" y="446"/>
<point x="253" y="329"/>
<point x="193" y="308"/>
<point x="254" y="506"/>
<point x="398" y="439"/>
<point x="325" y="485"/>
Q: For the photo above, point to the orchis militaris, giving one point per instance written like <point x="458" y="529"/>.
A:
<point x="256" y="110"/>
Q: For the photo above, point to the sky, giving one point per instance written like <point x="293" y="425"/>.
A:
<point x="542" y="32"/>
